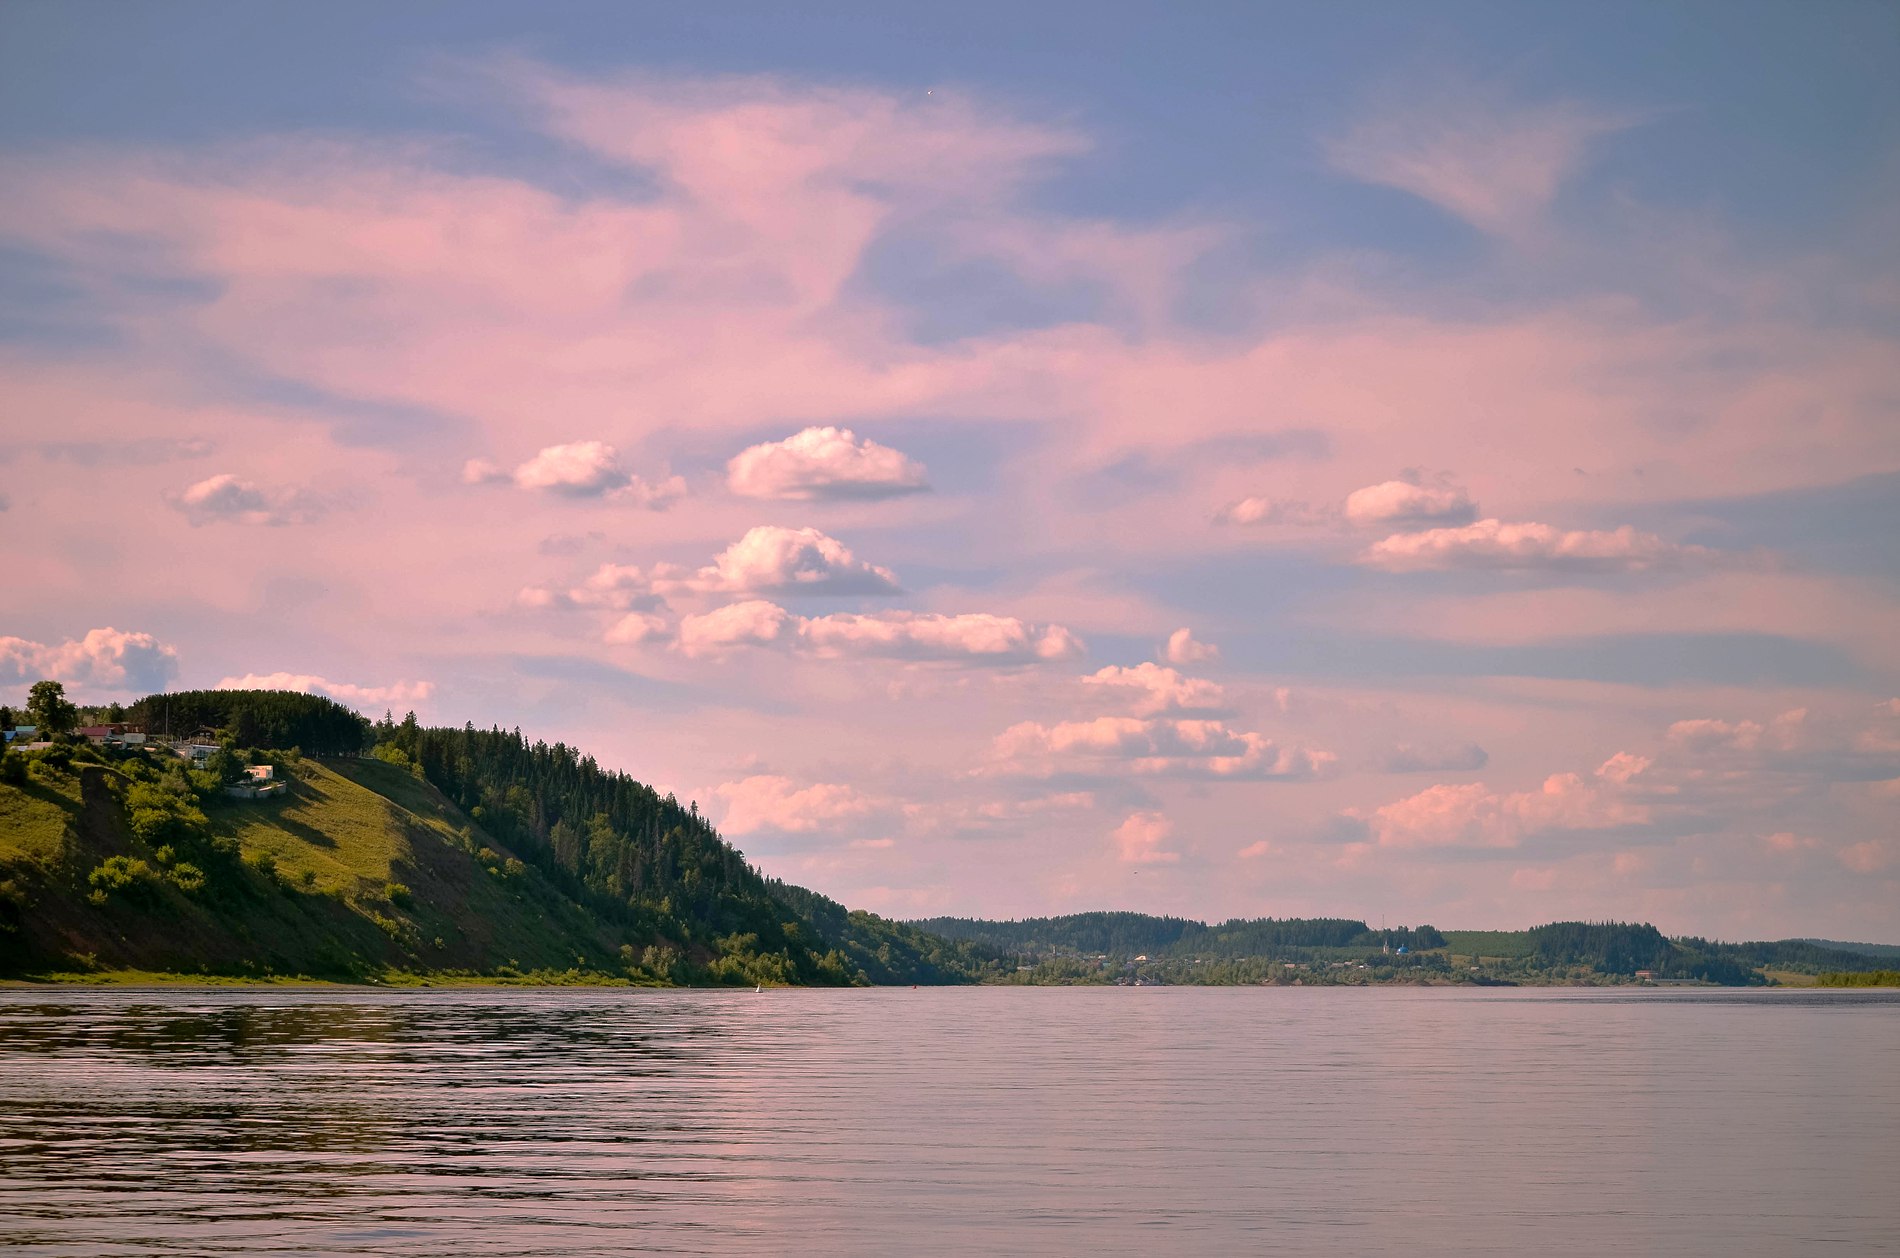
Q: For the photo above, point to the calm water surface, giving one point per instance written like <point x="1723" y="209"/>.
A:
<point x="986" y="1120"/>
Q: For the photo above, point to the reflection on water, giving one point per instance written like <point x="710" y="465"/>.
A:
<point x="992" y="1120"/>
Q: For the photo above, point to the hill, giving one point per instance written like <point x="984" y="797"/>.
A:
<point x="443" y="852"/>
<point x="1129" y="947"/>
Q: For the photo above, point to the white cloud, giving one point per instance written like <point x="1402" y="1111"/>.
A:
<point x="774" y="560"/>
<point x="1402" y="504"/>
<point x="824" y="463"/>
<point x="579" y="469"/>
<point x="226" y="499"/>
<point x="1152" y="689"/>
<point x="1139" y="839"/>
<point x="772" y="803"/>
<point x="1183" y="648"/>
<point x="343" y="691"/>
<point x="105" y="659"/>
<point x="1113" y="745"/>
<point x="1530" y="547"/>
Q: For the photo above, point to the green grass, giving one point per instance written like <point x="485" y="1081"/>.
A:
<point x="36" y="820"/>
<point x="328" y="902"/>
<point x="345" y="835"/>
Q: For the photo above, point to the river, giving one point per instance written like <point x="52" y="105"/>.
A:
<point x="949" y="1121"/>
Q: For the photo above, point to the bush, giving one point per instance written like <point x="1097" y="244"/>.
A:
<point x="187" y="877"/>
<point x="120" y="875"/>
<point x="12" y="768"/>
<point x="400" y="895"/>
<point x="159" y="816"/>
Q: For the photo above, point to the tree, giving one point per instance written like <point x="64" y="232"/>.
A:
<point x="49" y="708"/>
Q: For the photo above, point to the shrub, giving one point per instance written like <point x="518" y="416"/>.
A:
<point x="399" y="895"/>
<point x="12" y="768"/>
<point x="119" y="875"/>
<point x="187" y="877"/>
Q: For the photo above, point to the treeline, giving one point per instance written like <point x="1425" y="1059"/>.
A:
<point x="279" y="719"/>
<point x="1116" y="934"/>
<point x="1626" y="947"/>
<point x="1122" y="934"/>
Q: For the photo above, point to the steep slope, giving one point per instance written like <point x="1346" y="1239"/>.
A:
<point x="360" y="869"/>
<point x="540" y="861"/>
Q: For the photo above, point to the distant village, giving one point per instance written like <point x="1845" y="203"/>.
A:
<point x="196" y="749"/>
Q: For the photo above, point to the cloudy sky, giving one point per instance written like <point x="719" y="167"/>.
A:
<point x="1437" y="463"/>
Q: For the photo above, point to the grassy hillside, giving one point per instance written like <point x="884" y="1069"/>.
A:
<point x="361" y="869"/>
<point x="365" y="870"/>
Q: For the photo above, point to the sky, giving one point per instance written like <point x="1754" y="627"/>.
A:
<point x="1423" y="463"/>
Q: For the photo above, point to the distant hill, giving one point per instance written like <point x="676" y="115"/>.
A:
<point x="1129" y="934"/>
<point x="1883" y="951"/>
<point x="445" y="851"/>
<point x="1119" y="946"/>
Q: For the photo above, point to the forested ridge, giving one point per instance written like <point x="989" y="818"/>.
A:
<point x="1130" y="947"/>
<point x="1124" y="933"/>
<point x="621" y="846"/>
<point x="499" y="855"/>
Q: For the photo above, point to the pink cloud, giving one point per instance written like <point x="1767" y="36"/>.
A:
<point x="1151" y="689"/>
<point x="1260" y="509"/>
<point x="974" y="637"/>
<point x="1182" y="647"/>
<point x="824" y="463"/>
<point x="1433" y="758"/>
<point x="347" y="692"/>
<point x="774" y="803"/>
<point x="751" y="623"/>
<point x="226" y="499"/>
<point x="1112" y="745"/>
<point x="104" y="660"/>
<point x="1139" y="839"/>
<point x="913" y="637"/>
<point x="774" y="560"/>
<point x="1531" y="547"/>
<point x="1403" y="504"/>
<point x="579" y="469"/>
<point x="769" y="559"/>
<point x="1475" y="816"/>
<point x="1867" y="857"/>
<point x="1493" y="162"/>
